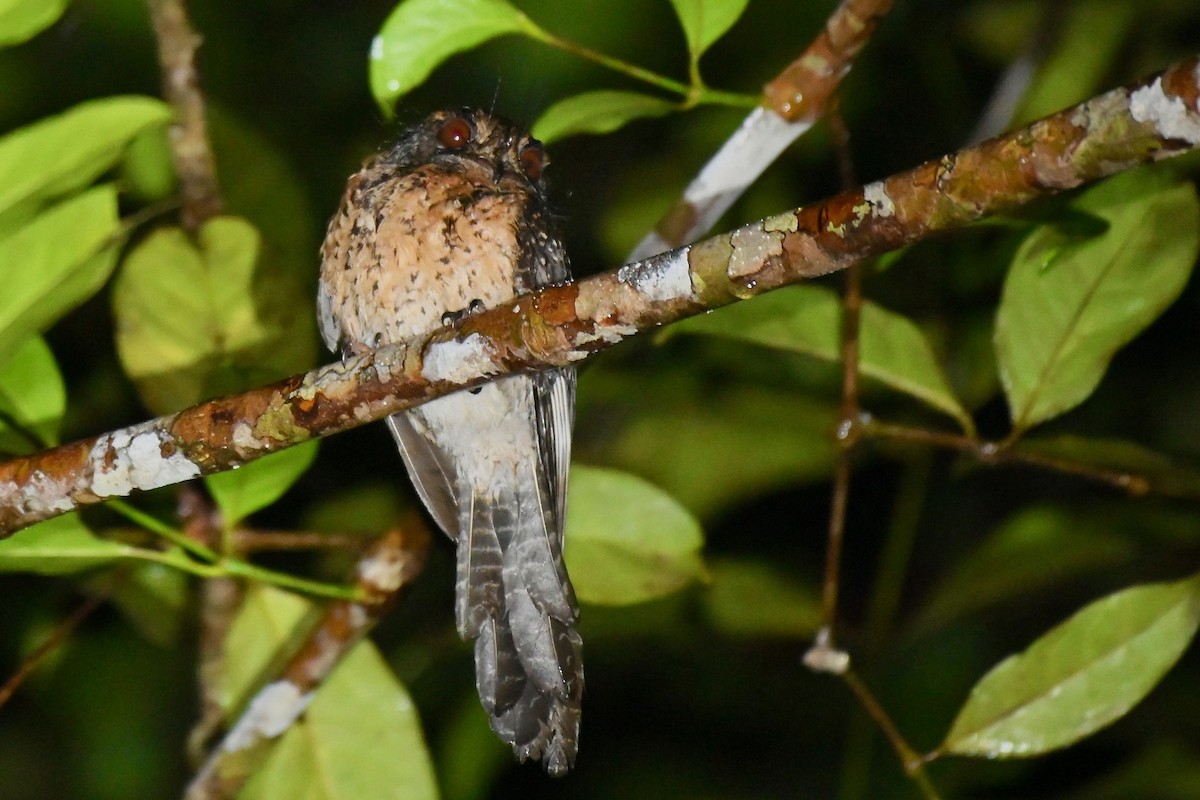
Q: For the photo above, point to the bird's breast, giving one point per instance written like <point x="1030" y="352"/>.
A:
<point x="409" y="249"/>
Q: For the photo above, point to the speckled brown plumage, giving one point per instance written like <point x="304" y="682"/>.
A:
<point x="449" y="220"/>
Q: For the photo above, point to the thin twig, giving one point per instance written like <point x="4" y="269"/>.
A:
<point x="1004" y="453"/>
<point x="51" y="643"/>
<point x="846" y="438"/>
<point x="248" y="540"/>
<point x="219" y="601"/>
<point x="558" y="325"/>
<point x="910" y="760"/>
<point x="190" y="148"/>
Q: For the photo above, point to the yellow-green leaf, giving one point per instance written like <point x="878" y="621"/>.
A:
<point x="68" y="151"/>
<point x="421" y="34"/>
<point x="753" y="598"/>
<point x="628" y="541"/>
<point x="597" y="112"/>
<point x="1059" y="324"/>
<point x="58" y="546"/>
<point x="807" y="319"/>
<point x="241" y="492"/>
<point x="32" y="397"/>
<point x="195" y="321"/>
<point x="21" y="20"/>
<point x="361" y="710"/>
<point x="705" y="21"/>
<point x="1081" y="676"/>
<point x="55" y="262"/>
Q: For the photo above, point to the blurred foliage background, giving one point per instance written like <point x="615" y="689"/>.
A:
<point x="701" y="694"/>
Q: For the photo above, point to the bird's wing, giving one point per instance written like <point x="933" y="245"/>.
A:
<point x="430" y="470"/>
<point x="554" y="402"/>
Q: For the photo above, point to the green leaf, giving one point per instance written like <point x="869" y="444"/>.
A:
<point x="260" y="183"/>
<point x="54" y="263"/>
<point x="1081" y="676"/>
<point x="1037" y="548"/>
<point x="153" y="597"/>
<point x="32" y="397"/>
<point x="705" y="21"/>
<point x="1091" y="37"/>
<point x="360" y="711"/>
<point x="708" y="448"/>
<point x="195" y="322"/>
<point x="67" y="152"/>
<point x="241" y="492"/>
<point x="420" y="34"/>
<point x="58" y="546"/>
<point x="333" y="753"/>
<point x="807" y="320"/>
<point x="469" y="757"/>
<point x="268" y="620"/>
<point x="597" y="112"/>
<point x="628" y="541"/>
<point x="366" y="508"/>
<point x="754" y="598"/>
<point x="21" y="20"/>
<point x="1059" y="326"/>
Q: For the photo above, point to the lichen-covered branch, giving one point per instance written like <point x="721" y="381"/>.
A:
<point x="791" y="104"/>
<point x="559" y="325"/>
<point x="190" y="150"/>
<point x="390" y="565"/>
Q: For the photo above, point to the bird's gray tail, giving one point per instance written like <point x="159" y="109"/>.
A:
<point x="513" y="597"/>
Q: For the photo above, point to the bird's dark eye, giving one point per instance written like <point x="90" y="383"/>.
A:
<point x="533" y="161"/>
<point x="455" y="133"/>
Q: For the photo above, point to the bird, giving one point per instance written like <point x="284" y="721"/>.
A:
<point x="452" y="218"/>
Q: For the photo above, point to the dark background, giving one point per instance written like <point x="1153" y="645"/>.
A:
<point x="680" y="704"/>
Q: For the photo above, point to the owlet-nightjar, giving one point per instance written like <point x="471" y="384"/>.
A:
<point x="450" y="219"/>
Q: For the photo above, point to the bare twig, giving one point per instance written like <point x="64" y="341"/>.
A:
<point x="248" y="540"/>
<point x="791" y="103"/>
<point x="846" y="437"/>
<point x="190" y="148"/>
<point x="1150" y="120"/>
<point x="912" y="762"/>
<point x="219" y="601"/>
<point x="1005" y="453"/>
<point x="51" y="643"/>
<point x="391" y="564"/>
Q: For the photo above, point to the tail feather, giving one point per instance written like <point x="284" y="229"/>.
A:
<point x="527" y="654"/>
<point x="478" y="590"/>
<point x="538" y="550"/>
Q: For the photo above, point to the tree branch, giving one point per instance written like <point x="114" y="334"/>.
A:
<point x="190" y="149"/>
<point x="791" y="104"/>
<point x="390" y="565"/>
<point x="1145" y="121"/>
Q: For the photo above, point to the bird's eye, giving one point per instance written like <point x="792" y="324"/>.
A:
<point x="455" y="133"/>
<point x="533" y="161"/>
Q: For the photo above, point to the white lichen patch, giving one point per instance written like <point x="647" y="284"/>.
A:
<point x="752" y="246"/>
<point x="134" y="458"/>
<point x="1169" y="115"/>
<point x="610" y="334"/>
<point x="381" y="572"/>
<point x="663" y="277"/>
<point x="458" y="360"/>
<point x="877" y="196"/>
<point x="40" y="495"/>
<point x="272" y="712"/>
<point x="243" y="438"/>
